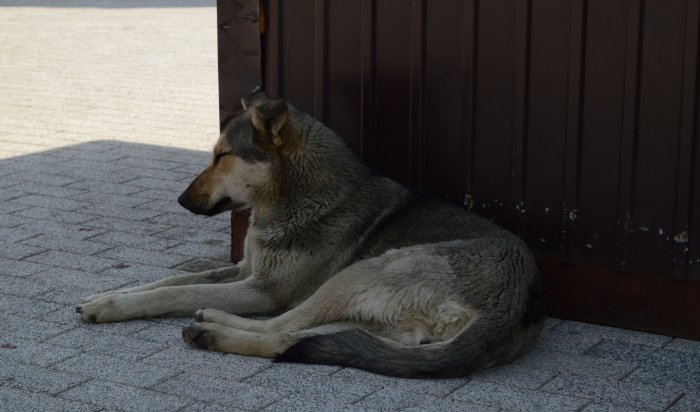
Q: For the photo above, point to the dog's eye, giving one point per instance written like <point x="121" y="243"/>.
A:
<point x="217" y="157"/>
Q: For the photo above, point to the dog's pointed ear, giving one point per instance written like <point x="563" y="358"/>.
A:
<point x="269" y="119"/>
<point x="255" y="99"/>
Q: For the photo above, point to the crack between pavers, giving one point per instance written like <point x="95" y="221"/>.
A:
<point x="681" y="396"/>
<point x="629" y="373"/>
<point x="456" y="389"/>
<point x="556" y="375"/>
<point x="75" y="386"/>
<point x="245" y="378"/>
<point x="363" y="397"/>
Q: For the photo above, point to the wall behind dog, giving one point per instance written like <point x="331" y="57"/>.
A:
<point x="572" y="123"/>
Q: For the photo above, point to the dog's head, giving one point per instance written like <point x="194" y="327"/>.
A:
<point x="241" y="168"/>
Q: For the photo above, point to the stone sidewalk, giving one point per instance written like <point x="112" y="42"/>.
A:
<point x="106" y="113"/>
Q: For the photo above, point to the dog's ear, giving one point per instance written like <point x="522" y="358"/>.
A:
<point x="255" y="99"/>
<point x="269" y="119"/>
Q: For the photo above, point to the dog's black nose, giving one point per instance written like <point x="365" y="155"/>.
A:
<point x="182" y="200"/>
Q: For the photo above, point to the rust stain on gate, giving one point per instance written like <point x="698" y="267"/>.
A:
<point x="572" y="123"/>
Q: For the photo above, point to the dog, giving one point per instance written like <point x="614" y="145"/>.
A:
<point x="360" y="270"/>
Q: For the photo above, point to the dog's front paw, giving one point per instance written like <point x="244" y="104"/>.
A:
<point x="102" y="309"/>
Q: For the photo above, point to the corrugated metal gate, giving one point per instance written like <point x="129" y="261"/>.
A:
<point x="572" y="123"/>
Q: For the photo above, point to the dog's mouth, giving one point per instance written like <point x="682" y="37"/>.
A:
<point x="220" y="206"/>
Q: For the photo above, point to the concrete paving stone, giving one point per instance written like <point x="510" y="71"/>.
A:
<point x="195" y="235"/>
<point x="173" y="213"/>
<point x="81" y="281"/>
<point x="123" y="225"/>
<point x="15" y="235"/>
<point x="211" y="407"/>
<point x="33" y="378"/>
<point x="156" y="194"/>
<point x="197" y="158"/>
<point x="47" y="190"/>
<point x="67" y="230"/>
<point x="659" y="366"/>
<point x="16" y="328"/>
<point x="17" y="305"/>
<point x="101" y="199"/>
<point x="689" y="402"/>
<point x="123" y="212"/>
<point x="201" y="265"/>
<point x="684" y="345"/>
<point x="516" y="376"/>
<point x="183" y="217"/>
<point x="32" y="352"/>
<point x="449" y="405"/>
<point x="118" y="370"/>
<point x="223" y="391"/>
<point x="20" y="268"/>
<point x="90" y="340"/>
<point x="317" y="401"/>
<point x="13" y="220"/>
<point x="566" y="342"/>
<point x="609" y="390"/>
<point x="53" y="215"/>
<point x="8" y="207"/>
<point x="217" y="252"/>
<point x="610" y="333"/>
<point x="162" y="333"/>
<point x="392" y="399"/>
<point x="151" y="183"/>
<point x="154" y="243"/>
<point x="509" y="398"/>
<point x="434" y="387"/>
<point x="70" y="166"/>
<point x="157" y="173"/>
<point x="105" y="187"/>
<point x="228" y="366"/>
<point x="668" y="376"/>
<point x="67" y="316"/>
<point x="10" y="194"/>
<point x="147" y="165"/>
<point x="613" y="407"/>
<point x="141" y="273"/>
<point x="25" y="287"/>
<point x="99" y="157"/>
<point x="44" y="178"/>
<point x="316" y="386"/>
<point x="576" y="364"/>
<point x="146" y="257"/>
<point x="74" y="261"/>
<point x="177" y="321"/>
<point x="124" y="397"/>
<point x="53" y="242"/>
<point x="50" y="202"/>
<point x="17" y="400"/>
<point x="97" y="146"/>
<point x="116" y="177"/>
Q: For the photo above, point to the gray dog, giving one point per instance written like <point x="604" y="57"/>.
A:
<point x="361" y="271"/>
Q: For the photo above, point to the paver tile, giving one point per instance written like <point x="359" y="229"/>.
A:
<point x="18" y="400"/>
<point x="121" y="397"/>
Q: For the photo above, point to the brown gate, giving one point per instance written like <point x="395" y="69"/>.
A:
<point x="572" y="123"/>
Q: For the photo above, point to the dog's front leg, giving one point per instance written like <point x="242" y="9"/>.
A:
<point x="244" y="297"/>
<point x="221" y="275"/>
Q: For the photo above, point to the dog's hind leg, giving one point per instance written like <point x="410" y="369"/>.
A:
<point x="221" y="275"/>
<point x="217" y="337"/>
<point x="244" y="297"/>
<point x="320" y="308"/>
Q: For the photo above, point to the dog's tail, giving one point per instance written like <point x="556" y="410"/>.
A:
<point x="478" y="345"/>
